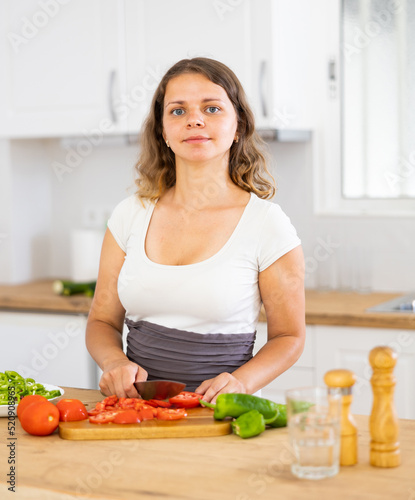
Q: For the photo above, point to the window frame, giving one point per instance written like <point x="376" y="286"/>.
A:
<point x="327" y="145"/>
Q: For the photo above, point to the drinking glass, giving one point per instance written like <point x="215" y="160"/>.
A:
<point x="314" y="415"/>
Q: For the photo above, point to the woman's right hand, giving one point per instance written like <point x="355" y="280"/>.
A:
<point x="118" y="378"/>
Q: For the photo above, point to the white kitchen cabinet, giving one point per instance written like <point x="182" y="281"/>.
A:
<point x="161" y="32"/>
<point x="47" y="347"/>
<point x="283" y="67"/>
<point x="76" y="68"/>
<point x="63" y="67"/>
<point x="349" y="347"/>
<point x="264" y="42"/>
<point x="331" y="347"/>
<point x="301" y="374"/>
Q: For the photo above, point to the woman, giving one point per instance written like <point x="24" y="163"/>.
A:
<point x="188" y="259"/>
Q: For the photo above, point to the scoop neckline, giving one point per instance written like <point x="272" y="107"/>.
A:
<point x="195" y="264"/>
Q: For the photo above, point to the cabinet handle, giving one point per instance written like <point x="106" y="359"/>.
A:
<point x="262" y="96"/>
<point x="111" y="85"/>
<point x="332" y="78"/>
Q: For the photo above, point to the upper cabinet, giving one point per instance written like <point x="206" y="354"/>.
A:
<point x="85" y="68"/>
<point x="264" y="42"/>
<point x="64" y="67"/>
<point x="161" y="32"/>
<point x="284" y="46"/>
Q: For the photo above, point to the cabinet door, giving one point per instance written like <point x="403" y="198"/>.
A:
<point x="292" y="89"/>
<point x="62" y="65"/>
<point x="346" y="347"/>
<point x="281" y="50"/>
<point x="47" y="347"/>
<point x="265" y="42"/>
<point x="301" y="374"/>
<point x="161" y="32"/>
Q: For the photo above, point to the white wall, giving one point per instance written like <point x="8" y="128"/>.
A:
<point x="25" y="207"/>
<point x="93" y="187"/>
<point x="382" y="247"/>
<point x="48" y="206"/>
<point x="5" y="212"/>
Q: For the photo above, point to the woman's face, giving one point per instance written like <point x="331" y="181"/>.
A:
<point x="199" y="120"/>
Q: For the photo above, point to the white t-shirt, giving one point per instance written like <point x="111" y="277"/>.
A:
<point x="217" y="295"/>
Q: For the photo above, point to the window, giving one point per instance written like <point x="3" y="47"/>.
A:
<point x="366" y="163"/>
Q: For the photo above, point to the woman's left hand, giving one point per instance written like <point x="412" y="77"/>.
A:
<point x="222" y="384"/>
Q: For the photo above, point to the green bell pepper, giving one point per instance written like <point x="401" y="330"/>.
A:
<point x="234" y="405"/>
<point x="251" y="423"/>
<point x="13" y="383"/>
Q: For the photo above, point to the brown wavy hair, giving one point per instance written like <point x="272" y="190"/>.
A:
<point x="247" y="158"/>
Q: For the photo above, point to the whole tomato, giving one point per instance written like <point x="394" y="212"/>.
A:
<point x="27" y="401"/>
<point x="71" y="410"/>
<point x="40" y="418"/>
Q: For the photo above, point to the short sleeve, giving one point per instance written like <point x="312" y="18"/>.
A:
<point x="277" y="238"/>
<point x="120" y="221"/>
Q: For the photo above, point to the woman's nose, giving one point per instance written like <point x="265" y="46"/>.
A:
<point x="195" y="120"/>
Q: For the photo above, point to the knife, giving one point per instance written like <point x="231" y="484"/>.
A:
<point x="159" y="389"/>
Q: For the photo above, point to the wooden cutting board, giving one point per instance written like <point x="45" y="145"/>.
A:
<point x="198" y="423"/>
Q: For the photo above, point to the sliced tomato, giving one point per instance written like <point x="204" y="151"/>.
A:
<point x="71" y="410"/>
<point x="119" y="403"/>
<point x="94" y="411"/>
<point x="139" y="403"/>
<point x="127" y="417"/>
<point x="110" y="400"/>
<point x="103" y="418"/>
<point x="186" y="399"/>
<point x="170" y="413"/>
<point x="100" y="406"/>
<point x="153" y="403"/>
<point x="159" y="403"/>
<point x="147" y="413"/>
<point x="128" y="403"/>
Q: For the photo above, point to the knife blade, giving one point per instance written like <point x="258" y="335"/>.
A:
<point x="159" y="389"/>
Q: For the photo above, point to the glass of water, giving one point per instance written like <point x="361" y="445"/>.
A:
<point x="314" y="415"/>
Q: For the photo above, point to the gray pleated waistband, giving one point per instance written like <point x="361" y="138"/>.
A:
<point x="188" y="357"/>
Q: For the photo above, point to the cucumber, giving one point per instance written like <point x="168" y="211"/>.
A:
<point x="65" y="287"/>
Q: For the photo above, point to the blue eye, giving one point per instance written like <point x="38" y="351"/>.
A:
<point x="212" y="109"/>
<point x="177" y="112"/>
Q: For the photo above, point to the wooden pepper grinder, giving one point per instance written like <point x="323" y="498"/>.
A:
<point x="345" y="379"/>
<point x="384" y="427"/>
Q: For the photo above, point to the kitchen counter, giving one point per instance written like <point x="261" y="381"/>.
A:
<point x="322" y="308"/>
<point x="349" y="309"/>
<point x="226" y="467"/>
<point x="38" y="296"/>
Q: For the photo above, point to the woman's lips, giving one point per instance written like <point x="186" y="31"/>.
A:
<point x="197" y="139"/>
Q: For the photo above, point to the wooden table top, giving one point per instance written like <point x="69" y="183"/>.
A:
<point x="349" y="309"/>
<point x="224" y="468"/>
<point x="322" y="308"/>
<point x="38" y="296"/>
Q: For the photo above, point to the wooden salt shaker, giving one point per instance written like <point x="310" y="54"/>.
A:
<point x="384" y="427"/>
<point x="345" y="379"/>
